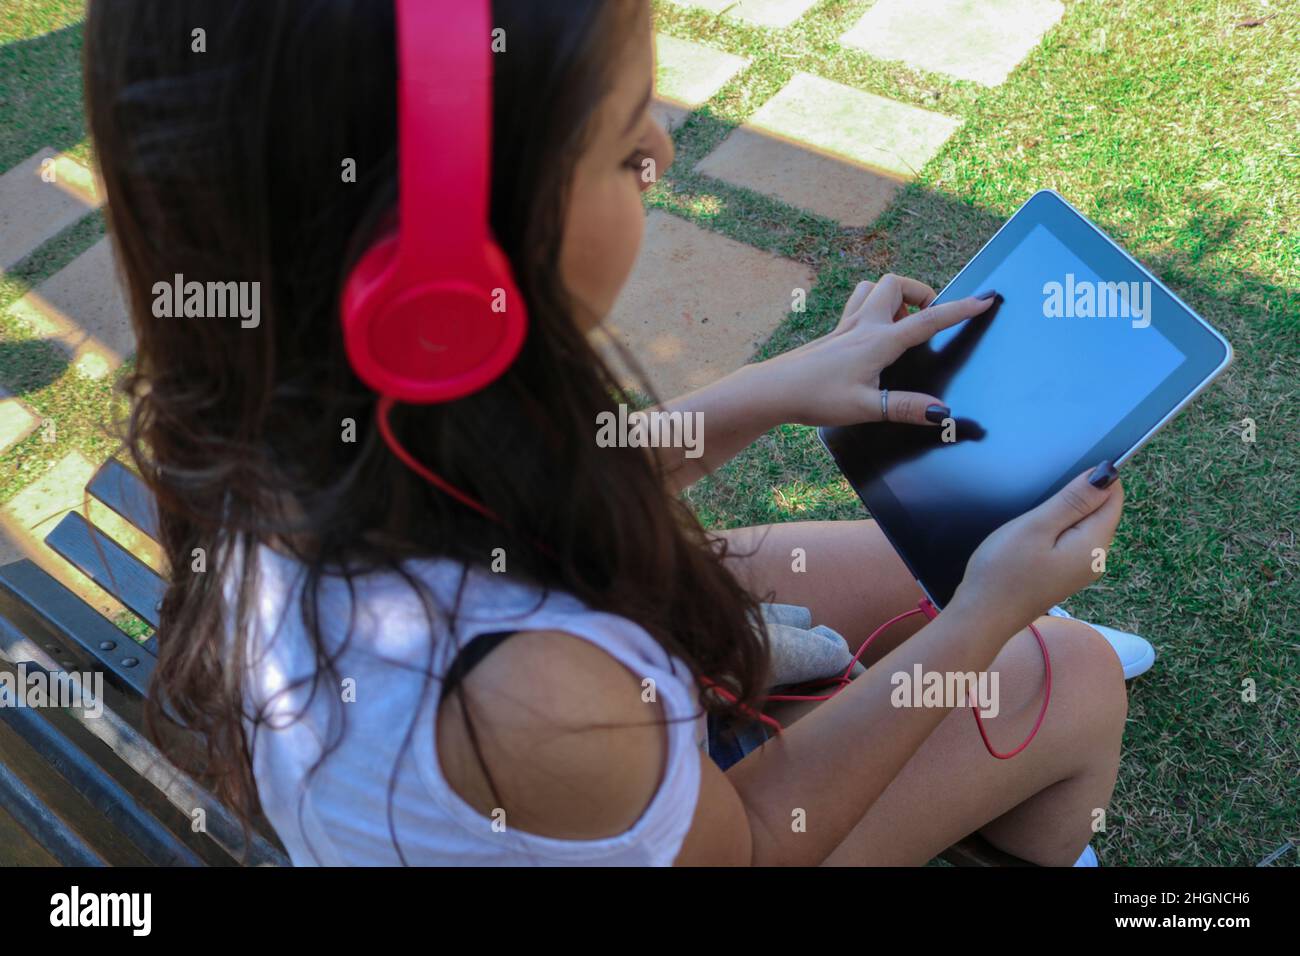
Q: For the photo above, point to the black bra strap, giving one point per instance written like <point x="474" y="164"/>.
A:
<point x="468" y="657"/>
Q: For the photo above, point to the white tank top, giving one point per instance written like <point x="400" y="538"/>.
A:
<point x="341" y="815"/>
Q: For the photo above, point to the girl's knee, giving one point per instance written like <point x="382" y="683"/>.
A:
<point x="1086" y="669"/>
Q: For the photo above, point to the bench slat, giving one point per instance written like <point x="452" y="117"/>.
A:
<point x="40" y="776"/>
<point x="184" y="794"/>
<point x="116" y="742"/>
<point x="42" y="823"/>
<point x="83" y="634"/>
<point x="121" y="489"/>
<point x="67" y="748"/>
<point x="123" y="492"/>
<point x="118" y="571"/>
<point x="18" y="847"/>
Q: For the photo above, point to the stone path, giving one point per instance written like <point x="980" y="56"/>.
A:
<point x="830" y="149"/>
<point x="80" y="309"/>
<point x="688" y="74"/>
<point x="698" y="304"/>
<point x="817" y="145"/>
<point x="39" y="198"/>
<point x="979" y="40"/>
<point x="17" y="421"/>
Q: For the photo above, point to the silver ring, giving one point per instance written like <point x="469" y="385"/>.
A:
<point x="884" y="404"/>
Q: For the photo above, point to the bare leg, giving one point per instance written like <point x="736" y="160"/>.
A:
<point x="1039" y="805"/>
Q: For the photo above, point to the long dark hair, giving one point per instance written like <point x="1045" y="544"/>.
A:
<point x="226" y="165"/>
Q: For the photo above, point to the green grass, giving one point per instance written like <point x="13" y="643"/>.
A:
<point x="40" y="79"/>
<point x="1167" y="124"/>
<point x="1175" y="131"/>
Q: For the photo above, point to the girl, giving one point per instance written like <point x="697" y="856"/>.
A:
<point x="393" y="677"/>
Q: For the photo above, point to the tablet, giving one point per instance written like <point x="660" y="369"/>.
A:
<point x="1082" y="358"/>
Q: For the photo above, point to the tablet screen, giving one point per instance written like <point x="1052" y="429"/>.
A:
<point x="1032" y="387"/>
<point x="1047" y="380"/>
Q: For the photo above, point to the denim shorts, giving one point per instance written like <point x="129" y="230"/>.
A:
<point x="732" y="738"/>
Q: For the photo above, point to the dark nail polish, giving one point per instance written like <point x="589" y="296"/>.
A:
<point x="1103" y="475"/>
<point x="937" y="413"/>
<point x="987" y="295"/>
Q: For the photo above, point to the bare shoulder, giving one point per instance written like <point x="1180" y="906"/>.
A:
<point x="571" y="742"/>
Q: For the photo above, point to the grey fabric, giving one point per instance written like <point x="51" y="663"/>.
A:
<point x="801" y="652"/>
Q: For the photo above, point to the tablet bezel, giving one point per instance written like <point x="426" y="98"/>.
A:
<point x="1090" y="244"/>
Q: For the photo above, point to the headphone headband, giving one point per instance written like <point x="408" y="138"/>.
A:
<point x="444" y="108"/>
<point x="432" y="313"/>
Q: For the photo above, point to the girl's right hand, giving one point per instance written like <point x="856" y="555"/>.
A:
<point x="1042" y="557"/>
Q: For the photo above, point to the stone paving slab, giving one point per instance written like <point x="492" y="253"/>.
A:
<point x="687" y="74"/>
<point x="82" y="307"/>
<point x="979" y="40"/>
<point x="17" y="421"/>
<point x="698" y="304"/>
<point x="763" y="13"/>
<point x="39" y="506"/>
<point x="33" y="211"/>
<point x="827" y="185"/>
<point x="829" y="148"/>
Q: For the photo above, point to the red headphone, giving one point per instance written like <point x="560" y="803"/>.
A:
<point x="431" y="313"/>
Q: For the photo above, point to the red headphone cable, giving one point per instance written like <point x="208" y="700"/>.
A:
<point x="928" y="609"/>
<point x="382" y="411"/>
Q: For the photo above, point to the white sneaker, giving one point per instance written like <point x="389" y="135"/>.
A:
<point x="1135" y="653"/>
<point x="1088" y="857"/>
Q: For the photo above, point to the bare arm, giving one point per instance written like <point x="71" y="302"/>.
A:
<point x="833" y="380"/>
<point x="733" y="412"/>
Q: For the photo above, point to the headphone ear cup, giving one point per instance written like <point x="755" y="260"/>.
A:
<point x="431" y="340"/>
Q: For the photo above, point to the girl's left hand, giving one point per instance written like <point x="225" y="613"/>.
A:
<point x="835" y="380"/>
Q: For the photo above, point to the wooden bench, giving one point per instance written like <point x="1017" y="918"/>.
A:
<point x="79" y="789"/>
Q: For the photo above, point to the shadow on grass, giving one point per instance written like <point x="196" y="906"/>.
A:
<point x="41" y="105"/>
<point x="31" y="365"/>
